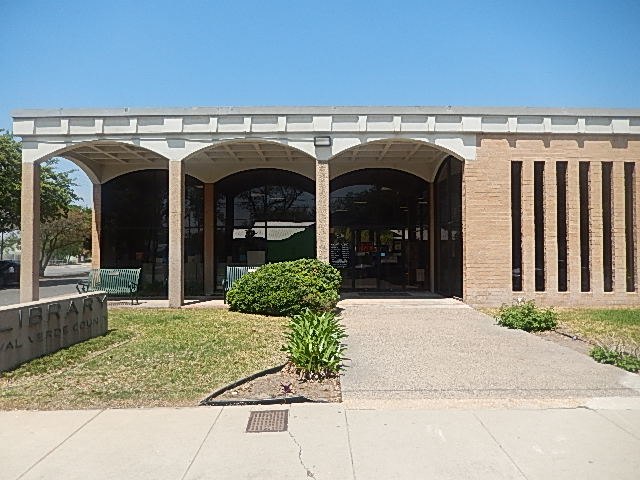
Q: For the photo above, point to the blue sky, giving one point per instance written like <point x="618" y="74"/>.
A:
<point x="85" y="53"/>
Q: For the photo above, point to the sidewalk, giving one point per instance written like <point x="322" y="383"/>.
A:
<point x="598" y="440"/>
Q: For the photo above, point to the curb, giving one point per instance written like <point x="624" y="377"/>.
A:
<point x="210" y="400"/>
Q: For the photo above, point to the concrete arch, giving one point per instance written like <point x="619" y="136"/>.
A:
<point x="248" y="169"/>
<point x="219" y="160"/>
<point x="415" y="156"/>
<point x="113" y="175"/>
<point x="97" y="160"/>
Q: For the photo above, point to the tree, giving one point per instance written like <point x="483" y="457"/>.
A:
<point x="57" y="193"/>
<point x="8" y="241"/>
<point x="65" y="236"/>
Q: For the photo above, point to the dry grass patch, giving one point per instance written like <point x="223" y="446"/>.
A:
<point x="602" y="326"/>
<point x="156" y="357"/>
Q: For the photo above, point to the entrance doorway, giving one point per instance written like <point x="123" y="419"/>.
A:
<point x="379" y="259"/>
<point x="379" y="230"/>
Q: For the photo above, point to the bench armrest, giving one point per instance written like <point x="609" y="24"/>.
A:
<point x="82" y="286"/>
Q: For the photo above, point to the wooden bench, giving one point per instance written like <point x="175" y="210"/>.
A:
<point x="235" y="273"/>
<point x="114" y="281"/>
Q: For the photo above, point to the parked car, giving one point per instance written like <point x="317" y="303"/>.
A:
<point x="9" y="273"/>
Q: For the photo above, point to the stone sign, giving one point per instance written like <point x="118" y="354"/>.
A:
<point x="33" y="329"/>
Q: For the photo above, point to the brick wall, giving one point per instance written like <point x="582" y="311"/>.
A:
<point x="487" y="218"/>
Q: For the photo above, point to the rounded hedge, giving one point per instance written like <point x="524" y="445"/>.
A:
<point x="287" y="288"/>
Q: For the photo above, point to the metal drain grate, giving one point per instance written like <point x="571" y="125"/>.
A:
<point x="268" y="421"/>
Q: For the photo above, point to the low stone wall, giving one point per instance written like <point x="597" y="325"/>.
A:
<point x="33" y="329"/>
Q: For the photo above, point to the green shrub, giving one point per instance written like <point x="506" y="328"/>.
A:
<point x="287" y="288"/>
<point x="626" y="361"/>
<point x="314" y="344"/>
<point x="526" y="316"/>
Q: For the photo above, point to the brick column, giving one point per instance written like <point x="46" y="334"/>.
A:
<point x="550" y="227"/>
<point x="30" y="233"/>
<point x="176" y="233"/>
<point x="528" y="230"/>
<point x="595" y="226"/>
<point x="619" y="240"/>
<point x="322" y="209"/>
<point x="209" y="234"/>
<point x="636" y="220"/>
<point x="573" y="226"/>
<point x="96" y="225"/>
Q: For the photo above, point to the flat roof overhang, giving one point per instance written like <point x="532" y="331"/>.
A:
<point x="111" y="141"/>
<point x="325" y="110"/>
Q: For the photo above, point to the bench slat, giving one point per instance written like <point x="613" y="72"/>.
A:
<point x="235" y="273"/>
<point x="114" y="281"/>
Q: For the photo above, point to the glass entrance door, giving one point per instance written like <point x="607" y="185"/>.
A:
<point x="379" y="233"/>
<point x="379" y="259"/>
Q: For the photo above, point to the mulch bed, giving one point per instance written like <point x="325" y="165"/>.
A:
<point x="285" y="383"/>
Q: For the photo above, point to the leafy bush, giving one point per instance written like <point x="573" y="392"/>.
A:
<point x="626" y="361"/>
<point x="526" y="316"/>
<point x="287" y="288"/>
<point x="314" y="344"/>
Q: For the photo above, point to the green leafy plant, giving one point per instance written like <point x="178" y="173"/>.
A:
<point x="611" y="356"/>
<point x="524" y="315"/>
<point x="314" y="344"/>
<point x="287" y="288"/>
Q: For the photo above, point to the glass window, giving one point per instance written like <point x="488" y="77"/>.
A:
<point x="135" y="230"/>
<point x="448" y="239"/>
<point x="263" y="216"/>
<point x="516" y="226"/>
<point x="379" y="229"/>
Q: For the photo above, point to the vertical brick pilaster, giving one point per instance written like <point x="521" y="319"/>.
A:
<point x="619" y="241"/>
<point x="595" y="224"/>
<point x="573" y="226"/>
<point x="636" y="223"/>
<point x="528" y="231"/>
<point x="550" y="227"/>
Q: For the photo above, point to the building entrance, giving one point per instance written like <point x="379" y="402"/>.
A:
<point x="379" y="259"/>
<point x="379" y="230"/>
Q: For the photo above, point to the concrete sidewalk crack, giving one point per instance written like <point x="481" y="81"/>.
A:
<point x="58" y="445"/>
<point x="500" y="446"/>
<point x="215" y="420"/>
<point x="346" y="422"/>
<point x="614" y="423"/>
<point x="310" y="474"/>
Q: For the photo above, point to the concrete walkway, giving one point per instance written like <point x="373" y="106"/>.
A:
<point x="438" y="352"/>
<point x="322" y="442"/>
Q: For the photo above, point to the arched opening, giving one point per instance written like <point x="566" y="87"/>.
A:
<point x="396" y="217"/>
<point x="230" y="169"/>
<point x="379" y="229"/>
<point x="135" y="229"/>
<point x="215" y="162"/>
<point x="263" y="215"/>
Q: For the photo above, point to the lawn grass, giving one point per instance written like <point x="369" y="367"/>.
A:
<point x="148" y="358"/>
<point x="611" y="326"/>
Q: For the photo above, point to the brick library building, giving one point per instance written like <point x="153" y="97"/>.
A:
<point x="483" y="204"/>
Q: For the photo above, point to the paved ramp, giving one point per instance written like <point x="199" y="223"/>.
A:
<point x="442" y="350"/>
